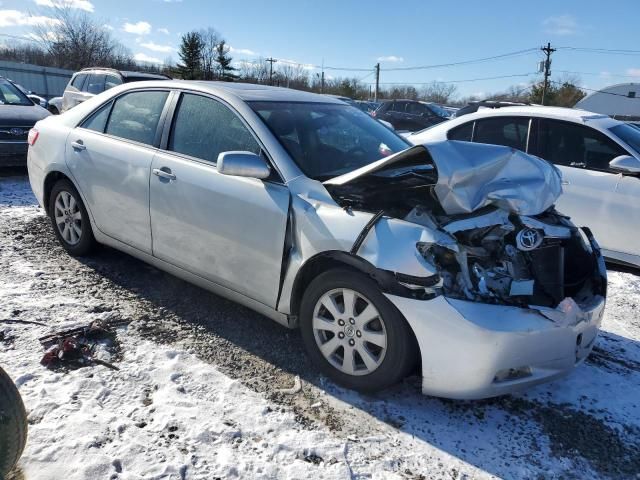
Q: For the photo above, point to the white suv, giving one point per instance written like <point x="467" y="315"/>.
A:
<point x="599" y="158"/>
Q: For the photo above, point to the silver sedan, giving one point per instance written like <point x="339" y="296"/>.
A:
<point x="389" y="257"/>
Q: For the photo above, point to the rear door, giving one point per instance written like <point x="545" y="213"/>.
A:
<point x="594" y="195"/>
<point x="509" y="131"/>
<point x="229" y="230"/>
<point x="110" y="157"/>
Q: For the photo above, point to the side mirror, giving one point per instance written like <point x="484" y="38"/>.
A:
<point x="625" y="164"/>
<point x="243" y="164"/>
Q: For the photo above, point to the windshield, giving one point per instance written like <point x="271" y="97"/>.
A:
<point x="628" y="134"/>
<point x="10" y="95"/>
<point x="327" y="140"/>
<point x="438" y="110"/>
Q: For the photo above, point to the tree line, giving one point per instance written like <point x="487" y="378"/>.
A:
<point x="75" y="40"/>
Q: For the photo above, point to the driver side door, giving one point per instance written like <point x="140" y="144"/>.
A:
<point x="594" y="195"/>
<point x="229" y="230"/>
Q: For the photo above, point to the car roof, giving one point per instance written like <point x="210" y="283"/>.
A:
<point x="126" y="73"/>
<point x="254" y="92"/>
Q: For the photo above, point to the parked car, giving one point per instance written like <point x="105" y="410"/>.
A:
<point x="410" y="115"/>
<point x="599" y="158"/>
<point x="37" y="99"/>
<point x="473" y="107"/>
<point x="55" y="105"/>
<point x="367" y="106"/>
<point x="91" y="81"/>
<point x="17" y="115"/>
<point x="316" y="215"/>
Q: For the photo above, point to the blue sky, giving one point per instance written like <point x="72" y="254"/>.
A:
<point x="398" y="34"/>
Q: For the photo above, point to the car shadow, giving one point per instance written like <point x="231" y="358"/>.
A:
<point x="493" y="435"/>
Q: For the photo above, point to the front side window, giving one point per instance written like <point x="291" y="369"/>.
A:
<point x="416" y="109"/>
<point x="95" y="84"/>
<point x="327" y="140"/>
<point x="509" y="131"/>
<point x="203" y="128"/>
<point x="135" y="116"/>
<point x="11" y="95"/>
<point x="573" y="145"/>
<point x="629" y="134"/>
<point x="462" y="132"/>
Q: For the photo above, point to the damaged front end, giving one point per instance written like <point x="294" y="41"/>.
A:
<point x="492" y="233"/>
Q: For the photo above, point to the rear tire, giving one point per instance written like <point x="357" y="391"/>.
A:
<point x="70" y="219"/>
<point x="365" y="344"/>
<point x="13" y="424"/>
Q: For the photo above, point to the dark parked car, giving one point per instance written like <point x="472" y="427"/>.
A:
<point x="410" y="115"/>
<point x="89" y="82"/>
<point x="18" y="114"/>
<point x="473" y="107"/>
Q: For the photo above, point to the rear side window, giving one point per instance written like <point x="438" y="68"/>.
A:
<point x="111" y="81"/>
<point x="98" y="121"/>
<point x="78" y="81"/>
<point x="95" y="84"/>
<point x="508" y="131"/>
<point x="203" y="128"/>
<point x="135" y="116"/>
<point x="573" y="145"/>
<point x="462" y="132"/>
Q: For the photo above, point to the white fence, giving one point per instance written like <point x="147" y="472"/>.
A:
<point x="47" y="82"/>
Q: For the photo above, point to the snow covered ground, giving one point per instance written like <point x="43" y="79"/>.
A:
<point x="205" y="387"/>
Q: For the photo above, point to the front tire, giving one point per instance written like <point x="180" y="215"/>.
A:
<point x="70" y="219"/>
<point x="354" y="334"/>
<point x="13" y="424"/>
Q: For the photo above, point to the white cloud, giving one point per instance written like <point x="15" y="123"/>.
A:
<point x="49" y="36"/>
<point x="85" y="5"/>
<point x="143" y="57"/>
<point x="15" y="18"/>
<point x="140" y="28"/>
<point x="164" y="30"/>
<point x="391" y="58"/>
<point x="242" y="51"/>
<point x="154" y="47"/>
<point x="634" y="72"/>
<point x="561" y="25"/>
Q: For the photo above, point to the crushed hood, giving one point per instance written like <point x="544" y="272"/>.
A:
<point x="472" y="175"/>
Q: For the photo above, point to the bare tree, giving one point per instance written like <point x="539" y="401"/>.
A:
<point x="210" y="40"/>
<point x="438" y="92"/>
<point x="74" y="40"/>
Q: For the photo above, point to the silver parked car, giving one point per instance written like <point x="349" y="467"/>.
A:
<point x="314" y="214"/>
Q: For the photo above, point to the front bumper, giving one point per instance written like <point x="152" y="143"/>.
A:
<point x="13" y="154"/>
<point x="473" y="350"/>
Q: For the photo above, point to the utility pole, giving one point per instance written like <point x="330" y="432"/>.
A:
<point x="271" y="61"/>
<point x="547" y="69"/>
<point x="375" y="95"/>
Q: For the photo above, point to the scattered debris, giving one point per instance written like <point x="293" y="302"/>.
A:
<point x="297" y="386"/>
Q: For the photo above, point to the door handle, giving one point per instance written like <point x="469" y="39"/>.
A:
<point x="78" y="145"/>
<point x="162" y="173"/>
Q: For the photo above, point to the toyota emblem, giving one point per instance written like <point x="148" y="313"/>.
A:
<point x="528" y="239"/>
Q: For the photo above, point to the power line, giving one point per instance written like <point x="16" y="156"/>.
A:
<point x="460" y="81"/>
<point x="610" y="51"/>
<point x="598" y="91"/>
<point x="465" y="62"/>
<point x="601" y="74"/>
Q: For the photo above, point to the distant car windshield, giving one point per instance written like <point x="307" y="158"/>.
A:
<point x="327" y="140"/>
<point x="628" y="134"/>
<point x="438" y="110"/>
<point x="11" y="95"/>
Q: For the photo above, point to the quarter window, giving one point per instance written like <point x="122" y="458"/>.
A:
<point x="508" y="131"/>
<point x="135" y="116"/>
<point x="78" y="81"/>
<point x="574" y="145"/>
<point x="462" y="132"/>
<point x="203" y="128"/>
<point x="98" y="120"/>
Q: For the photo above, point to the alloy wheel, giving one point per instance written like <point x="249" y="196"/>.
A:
<point x="349" y="331"/>
<point x="68" y="217"/>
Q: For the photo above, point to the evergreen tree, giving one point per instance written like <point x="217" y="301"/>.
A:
<point x="223" y="60"/>
<point x="190" y="53"/>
